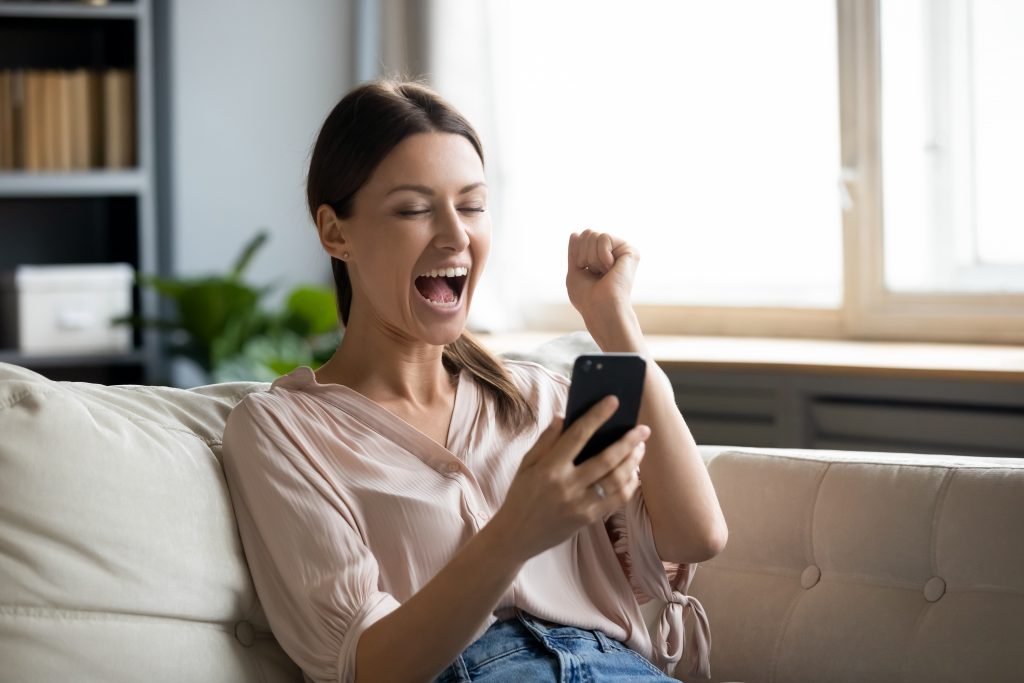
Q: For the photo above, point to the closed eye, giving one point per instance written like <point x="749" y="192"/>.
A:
<point x="423" y="211"/>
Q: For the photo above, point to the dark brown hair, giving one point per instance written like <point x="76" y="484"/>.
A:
<point x="359" y="133"/>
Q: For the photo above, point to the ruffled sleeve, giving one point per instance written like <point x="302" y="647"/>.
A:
<point x="315" y="577"/>
<point x="632" y="536"/>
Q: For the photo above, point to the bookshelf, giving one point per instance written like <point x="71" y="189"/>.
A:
<point x="99" y="207"/>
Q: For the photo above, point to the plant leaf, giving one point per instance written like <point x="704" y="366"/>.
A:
<point x="170" y="288"/>
<point x="206" y="307"/>
<point x="265" y="358"/>
<point x="247" y="253"/>
<point x="316" y="307"/>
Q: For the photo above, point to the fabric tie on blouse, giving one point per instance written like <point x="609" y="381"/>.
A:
<point x="643" y="565"/>
<point x="671" y="635"/>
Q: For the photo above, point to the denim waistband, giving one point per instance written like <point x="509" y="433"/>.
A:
<point x="529" y="648"/>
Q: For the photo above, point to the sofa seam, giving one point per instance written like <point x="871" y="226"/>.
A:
<point x="782" y="634"/>
<point x="855" y="579"/>
<point x="79" y="614"/>
<point x="796" y="601"/>
<point x="933" y="560"/>
<point x="135" y="419"/>
<point x="812" y="557"/>
<point x="865" y="461"/>
<point x="15" y="399"/>
<point x="940" y="506"/>
<point x="138" y="420"/>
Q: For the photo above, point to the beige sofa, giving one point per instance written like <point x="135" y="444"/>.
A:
<point x="120" y="559"/>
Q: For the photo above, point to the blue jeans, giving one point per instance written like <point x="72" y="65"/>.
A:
<point x="525" y="649"/>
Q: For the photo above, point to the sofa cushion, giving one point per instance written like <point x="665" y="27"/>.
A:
<point x="120" y="556"/>
<point x="845" y="567"/>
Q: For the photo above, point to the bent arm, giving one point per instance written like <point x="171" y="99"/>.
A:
<point x="437" y="623"/>
<point x="686" y="518"/>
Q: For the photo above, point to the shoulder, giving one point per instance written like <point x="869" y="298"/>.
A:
<point x="282" y="403"/>
<point x="260" y="422"/>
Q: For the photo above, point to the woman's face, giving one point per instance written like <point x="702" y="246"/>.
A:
<point x="418" y="238"/>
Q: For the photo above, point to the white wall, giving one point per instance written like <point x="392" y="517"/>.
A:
<point x="250" y="84"/>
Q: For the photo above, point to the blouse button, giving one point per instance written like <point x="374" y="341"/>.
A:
<point x="451" y="467"/>
<point x="482" y="515"/>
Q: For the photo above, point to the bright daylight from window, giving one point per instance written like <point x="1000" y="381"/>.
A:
<point x="706" y="133"/>
<point x="953" y="144"/>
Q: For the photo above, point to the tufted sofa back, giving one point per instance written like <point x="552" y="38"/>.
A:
<point x="851" y="567"/>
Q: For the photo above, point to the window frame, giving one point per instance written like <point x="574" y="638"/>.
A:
<point x="870" y="310"/>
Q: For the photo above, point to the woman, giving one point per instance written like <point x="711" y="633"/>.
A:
<point x="410" y="510"/>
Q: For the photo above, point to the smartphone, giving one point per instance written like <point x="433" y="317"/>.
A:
<point x="594" y="376"/>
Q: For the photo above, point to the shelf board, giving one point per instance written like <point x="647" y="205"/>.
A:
<point x="71" y="183"/>
<point x="70" y="359"/>
<point x="69" y="10"/>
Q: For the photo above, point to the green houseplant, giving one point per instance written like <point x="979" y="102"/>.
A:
<point x="222" y="326"/>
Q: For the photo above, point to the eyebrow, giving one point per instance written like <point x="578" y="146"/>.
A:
<point x="423" y="189"/>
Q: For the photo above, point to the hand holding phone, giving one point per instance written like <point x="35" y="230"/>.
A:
<point x="594" y="376"/>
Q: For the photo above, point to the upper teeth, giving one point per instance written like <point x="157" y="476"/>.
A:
<point x="446" y="272"/>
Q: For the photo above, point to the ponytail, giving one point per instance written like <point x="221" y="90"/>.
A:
<point x="466" y="353"/>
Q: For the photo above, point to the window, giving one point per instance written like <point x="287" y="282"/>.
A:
<point x="795" y="168"/>
<point x="952" y="145"/>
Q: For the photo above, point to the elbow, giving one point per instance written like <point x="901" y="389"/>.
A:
<point x="699" y="548"/>
<point x="713" y="543"/>
<point x="717" y="539"/>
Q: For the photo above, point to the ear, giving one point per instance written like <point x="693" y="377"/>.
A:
<point x="334" y="233"/>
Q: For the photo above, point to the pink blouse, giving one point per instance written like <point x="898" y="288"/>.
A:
<point x="345" y="511"/>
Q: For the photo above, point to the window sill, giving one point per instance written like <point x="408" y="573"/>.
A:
<point x="768" y="354"/>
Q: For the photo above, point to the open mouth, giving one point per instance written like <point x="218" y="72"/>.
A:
<point x="441" y="289"/>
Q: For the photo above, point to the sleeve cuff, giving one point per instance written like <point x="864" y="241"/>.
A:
<point x="377" y="606"/>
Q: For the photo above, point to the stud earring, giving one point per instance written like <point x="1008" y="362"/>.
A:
<point x="344" y="256"/>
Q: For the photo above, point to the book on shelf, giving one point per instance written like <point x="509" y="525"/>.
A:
<point x="6" y="122"/>
<point x="65" y="120"/>
<point x="32" y="117"/>
<point x="118" y="128"/>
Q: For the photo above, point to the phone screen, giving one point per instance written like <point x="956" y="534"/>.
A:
<point x="594" y="376"/>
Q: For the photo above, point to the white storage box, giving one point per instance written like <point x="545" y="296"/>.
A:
<point x="66" y="309"/>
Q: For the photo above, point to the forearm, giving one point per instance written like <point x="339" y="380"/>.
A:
<point x="423" y="636"/>
<point x="687" y="520"/>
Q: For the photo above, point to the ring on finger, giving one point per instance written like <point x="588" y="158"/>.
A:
<point x="599" y="490"/>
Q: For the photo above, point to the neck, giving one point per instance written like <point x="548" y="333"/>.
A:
<point x="384" y="366"/>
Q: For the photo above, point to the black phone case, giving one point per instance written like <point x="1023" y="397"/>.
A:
<point x="594" y="376"/>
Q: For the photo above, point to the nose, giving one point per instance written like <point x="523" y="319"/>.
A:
<point x="451" y="231"/>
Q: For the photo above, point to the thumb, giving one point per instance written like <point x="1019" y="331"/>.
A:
<point x="545" y="442"/>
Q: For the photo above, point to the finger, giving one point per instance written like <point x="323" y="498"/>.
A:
<point x="581" y="254"/>
<point x="605" y="247"/>
<point x="580" y="431"/>
<point x="545" y="442"/>
<point x="617" y="497"/>
<point x="598" y="467"/>
<point x="574" y="239"/>
<point x="625" y="470"/>
<point x="593" y="257"/>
